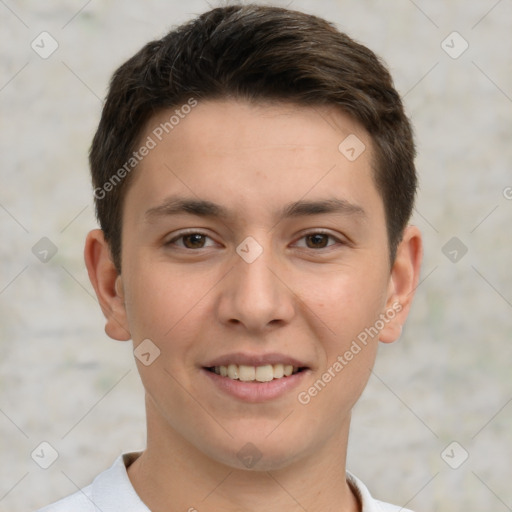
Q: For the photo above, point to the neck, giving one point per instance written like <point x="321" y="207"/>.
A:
<point x="172" y="474"/>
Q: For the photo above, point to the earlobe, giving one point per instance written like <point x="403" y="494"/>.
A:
<point x="403" y="282"/>
<point x="107" y="284"/>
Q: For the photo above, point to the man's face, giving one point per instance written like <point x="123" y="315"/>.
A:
<point x="289" y="268"/>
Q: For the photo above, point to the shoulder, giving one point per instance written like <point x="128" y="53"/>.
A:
<point x="368" y="503"/>
<point x="387" y="507"/>
<point x="77" y="502"/>
<point x="110" y="491"/>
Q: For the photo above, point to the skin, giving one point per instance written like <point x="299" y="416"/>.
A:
<point x="307" y="298"/>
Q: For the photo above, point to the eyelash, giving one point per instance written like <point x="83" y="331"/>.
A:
<point x="311" y="233"/>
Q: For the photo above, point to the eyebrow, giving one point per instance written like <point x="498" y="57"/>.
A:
<point x="176" y="205"/>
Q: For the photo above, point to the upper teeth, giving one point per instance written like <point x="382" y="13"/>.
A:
<point x="264" y="373"/>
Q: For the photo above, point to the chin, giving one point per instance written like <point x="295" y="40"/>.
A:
<point x="258" y="454"/>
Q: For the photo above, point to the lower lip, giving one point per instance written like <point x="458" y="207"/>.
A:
<point x="256" y="391"/>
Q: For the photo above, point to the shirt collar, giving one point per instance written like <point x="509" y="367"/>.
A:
<point x="113" y="490"/>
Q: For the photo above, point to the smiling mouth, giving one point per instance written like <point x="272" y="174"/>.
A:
<point x="264" y="373"/>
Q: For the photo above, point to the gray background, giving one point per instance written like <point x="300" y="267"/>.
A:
<point x="448" y="379"/>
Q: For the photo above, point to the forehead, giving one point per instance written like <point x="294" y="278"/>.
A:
<point x="220" y="126"/>
<point x="248" y="155"/>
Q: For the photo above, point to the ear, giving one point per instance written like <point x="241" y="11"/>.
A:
<point x="107" y="284"/>
<point x="402" y="283"/>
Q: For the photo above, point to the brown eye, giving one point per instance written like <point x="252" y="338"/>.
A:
<point x="317" y="241"/>
<point x="194" y="241"/>
<point x="191" y="240"/>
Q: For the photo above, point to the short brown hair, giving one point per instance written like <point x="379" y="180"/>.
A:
<point x="255" y="53"/>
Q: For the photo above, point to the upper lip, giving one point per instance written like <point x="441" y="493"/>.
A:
<point x="246" y="359"/>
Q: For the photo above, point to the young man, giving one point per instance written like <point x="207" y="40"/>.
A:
<point x="254" y="178"/>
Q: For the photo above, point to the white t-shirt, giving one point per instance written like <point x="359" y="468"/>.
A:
<point x="112" y="491"/>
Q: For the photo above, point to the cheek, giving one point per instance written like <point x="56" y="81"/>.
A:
<point x="160" y="301"/>
<point x="342" y="317"/>
<point x="345" y="301"/>
<point x="343" y="309"/>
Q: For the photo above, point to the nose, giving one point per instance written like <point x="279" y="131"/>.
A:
<point x="255" y="295"/>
